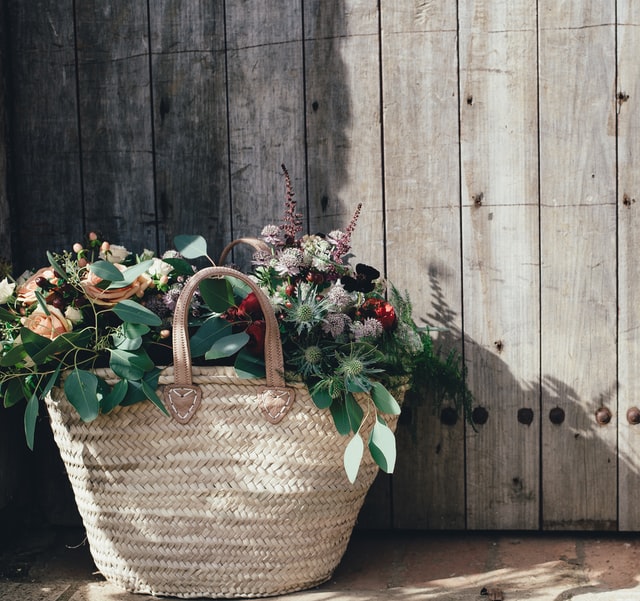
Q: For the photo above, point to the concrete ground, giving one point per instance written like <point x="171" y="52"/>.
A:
<point x="55" y="565"/>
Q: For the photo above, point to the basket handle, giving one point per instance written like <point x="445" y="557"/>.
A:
<point x="254" y="243"/>
<point x="183" y="397"/>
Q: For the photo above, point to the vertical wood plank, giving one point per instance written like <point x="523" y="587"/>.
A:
<point x="266" y="110"/>
<point x="628" y="95"/>
<point x="342" y="89"/>
<point x="500" y="248"/>
<point x="578" y="254"/>
<point x="420" y="115"/>
<point x="5" y="215"/>
<point x="115" y="120"/>
<point x="45" y="168"/>
<point x="342" y="79"/>
<point x="190" y="121"/>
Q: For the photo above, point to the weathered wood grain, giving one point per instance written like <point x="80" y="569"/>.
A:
<point x="190" y="121"/>
<point x="115" y="119"/>
<point x="420" y="116"/>
<point x="628" y="107"/>
<point x="266" y="112"/>
<point x="45" y="168"/>
<point x="578" y="255"/>
<point x="499" y="151"/>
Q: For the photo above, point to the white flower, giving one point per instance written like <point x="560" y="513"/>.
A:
<point x="6" y="290"/>
<point x="73" y="315"/>
<point x="159" y="268"/>
<point x="115" y="253"/>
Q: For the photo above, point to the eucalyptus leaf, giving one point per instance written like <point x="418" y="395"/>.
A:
<point x="135" y="330"/>
<point x="30" y="418"/>
<point x="211" y="330"/>
<point x="130" y="274"/>
<point x="249" y="366"/>
<point x="191" y="247"/>
<point x="321" y="398"/>
<point x="61" y="343"/>
<point x="227" y="346"/>
<point x="33" y="343"/>
<point x="42" y="303"/>
<point x="52" y="381"/>
<point x="150" y="393"/>
<point x="122" y="342"/>
<point x="217" y="293"/>
<point x="382" y="445"/>
<point x="56" y="266"/>
<point x="240" y="289"/>
<point x="384" y="400"/>
<point x="81" y="388"/>
<point x="13" y="356"/>
<point x="106" y="271"/>
<point x="8" y="316"/>
<point x="133" y="312"/>
<point x="353" y="457"/>
<point x="180" y="266"/>
<point x="353" y="386"/>
<point x="130" y="365"/>
<point x="12" y="392"/>
<point x="135" y="391"/>
<point x="115" y="396"/>
<point x="354" y="412"/>
<point x="340" y="418"/>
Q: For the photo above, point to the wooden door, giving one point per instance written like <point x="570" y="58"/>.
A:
<point x="493" y="144"/>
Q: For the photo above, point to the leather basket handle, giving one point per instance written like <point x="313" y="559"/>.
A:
<point x="183" y="397"/>
<point x="254" y="243"/>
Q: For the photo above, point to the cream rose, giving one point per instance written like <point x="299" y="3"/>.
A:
<point x="6" y="290"/>
<point x="50" y="325"/>
<point x="112" y="296"/>
<point x="113" y="253"/>
<point x="159" y="268"/>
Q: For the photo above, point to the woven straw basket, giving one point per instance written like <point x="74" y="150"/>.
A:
<point x="247" y="497"/>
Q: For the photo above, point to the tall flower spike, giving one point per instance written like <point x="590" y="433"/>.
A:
<point x="343" y="245"/>
<point x="292" y="223"/>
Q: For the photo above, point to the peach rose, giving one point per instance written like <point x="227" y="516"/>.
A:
<point x="112" y="296"/>
<point x="50" y="326"/>
<point x="27" y="291"/>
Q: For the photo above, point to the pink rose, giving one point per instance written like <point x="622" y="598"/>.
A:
<point x="49" y="325"/>
<point x="112" y="296"/>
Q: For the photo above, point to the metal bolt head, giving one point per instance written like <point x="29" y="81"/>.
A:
<point x="633" y="416"/>
<point x="603" y="416"/>
<point x="556" y="415"/>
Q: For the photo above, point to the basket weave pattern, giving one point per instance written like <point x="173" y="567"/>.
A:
<point x="228" y="505"/>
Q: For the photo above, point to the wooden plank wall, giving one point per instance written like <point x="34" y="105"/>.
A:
<point x="494" y="146"/>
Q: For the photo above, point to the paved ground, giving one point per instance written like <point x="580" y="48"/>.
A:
<point x="56" y="566"/>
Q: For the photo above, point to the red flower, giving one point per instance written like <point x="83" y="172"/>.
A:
<point x="386" y="315"/>
<point x="250" y="306"/>
<point x="382" y="310"/>
<point x="256" y="330"/>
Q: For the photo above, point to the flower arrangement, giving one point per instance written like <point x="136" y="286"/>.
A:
<point x="347" y="333"/>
